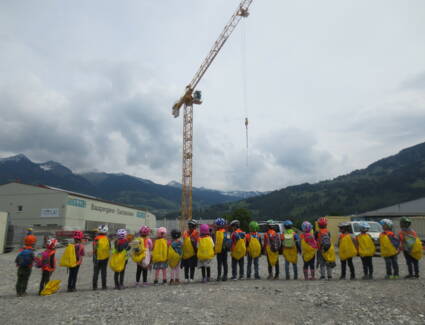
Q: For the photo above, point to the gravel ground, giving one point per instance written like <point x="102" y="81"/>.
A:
<point x="249" y="301"/>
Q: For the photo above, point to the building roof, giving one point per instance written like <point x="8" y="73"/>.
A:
<point x="86" y="196"/>
<point x="410" y="208"/>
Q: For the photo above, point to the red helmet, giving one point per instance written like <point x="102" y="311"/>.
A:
<point x="78" y="235"/>
<point x="51" y="243"/>
<point x="323" y="222"/>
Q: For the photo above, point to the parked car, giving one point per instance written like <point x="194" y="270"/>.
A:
<point x="374" y="231"/>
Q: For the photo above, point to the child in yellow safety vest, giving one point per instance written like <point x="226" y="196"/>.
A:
<point x="347" y="250"/>
<point x="222" y="242"/>
<point x="175" y="252"/>
<point x="389" y="244"/>
<point x="271" y="247"/>
<point x="238" y="250"/>
<point x="144" y="265"/>
<point x="101" y="253"/>
<point x="189" y="259"/>
<point x="48" y="263"/>
<point x="160" y="255"/>
<point x="411" y="246"/>
<point x="366" y="248"/>
<point x="79" y="253"/>
<point x="205" y="252"/>
<point x="326" y="251"/>
<point x="308" y="250"/>
<point x="253" y="242"/>
<point x="290" y="248"/>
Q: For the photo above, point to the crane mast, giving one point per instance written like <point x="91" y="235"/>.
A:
<point x="191" y="97"/>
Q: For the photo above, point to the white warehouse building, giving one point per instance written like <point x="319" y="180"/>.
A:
<point x="48" y="208"/>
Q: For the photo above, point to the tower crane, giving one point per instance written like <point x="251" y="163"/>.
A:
<point x="191" y="97"/>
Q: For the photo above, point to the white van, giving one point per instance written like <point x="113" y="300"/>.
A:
<point x="374" y="231"/>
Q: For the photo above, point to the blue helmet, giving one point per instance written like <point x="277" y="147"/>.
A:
<point x="288" y="223"/>
<point x="220" y="222"/>
<point x="306" y="226"/>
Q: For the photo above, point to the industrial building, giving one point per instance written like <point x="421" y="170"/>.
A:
<point x="47" y="208"/>
<point x="414" y="209"/>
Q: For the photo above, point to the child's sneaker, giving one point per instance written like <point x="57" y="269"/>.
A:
<point x="396" y="277"/>
<point x="204" y="280"/>
<point x="187" y="280"/>
<point x="388" y="277"/>
<point x="322" y="277"/>
<point x="164" y="281"/>
<point x="171" y="282"/>
<point x="176" y="281"/>
<point x="155" y="282"/>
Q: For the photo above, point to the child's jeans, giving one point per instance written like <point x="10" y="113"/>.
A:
<point x="344" y="263"/>
<point x="295" y="268"/>
<point x="412" y="264"/>
<point x="24" y="273"/>
<point x="324" y="266"/>
<point x="235" y="264"/>
<point x="391" y="265"/>
<point x="367" y="265"/>
<point x="249" y="267"/>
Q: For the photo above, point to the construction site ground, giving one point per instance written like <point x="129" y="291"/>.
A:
<point x="233" y="302"/>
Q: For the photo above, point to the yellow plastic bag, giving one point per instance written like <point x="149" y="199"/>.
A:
<point x="308" y="252"/>
<point x="103" y="248"/>
<point x="366" y="245"/>
<point x="173" y="257"/>
<point x="219" y="238"/>
<point x="205" y="248"/>
<point x="417" y="250"/>
<point x="290" y="254"/>
<point x="346" y="248"/>
<point x="239" y="250"/>
<point x="329" y="256"/>
<point x="254" y="247"/>
<point x="117" y="261"/>
<point x="188" y="250"/>
<point x="387" y="248"/>
<point x="69" y="258"/>
<point x="139" y="255"/>
<point x="273" y="257"/>
<point x="160" y="251"/>
<point x="51" y="287"/>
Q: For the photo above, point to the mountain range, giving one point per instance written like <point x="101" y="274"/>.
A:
<point x="395" y="179"/>
<point x="122" y="188"/>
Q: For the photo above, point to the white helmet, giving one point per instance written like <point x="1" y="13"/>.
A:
<point x="103" y="229"/>
<point x="386" y="222"/>
<point x="121" y="233"/>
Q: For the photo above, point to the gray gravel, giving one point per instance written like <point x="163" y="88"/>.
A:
<point x="248" y="301"/>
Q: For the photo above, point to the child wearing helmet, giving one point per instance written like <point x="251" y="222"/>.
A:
<point x="221" y="248"/>
<point x="238" y="250"/>
<point x="347" y="250"/>
<point x="101" y="253"/>
<point x="143" y="266"/>
<point x="205" y="252"/>
<point x="411" y="246"/>
<point x="189" y="260"/>
<point x="366" y="249"/>
<point x="271" y="248"/>
<point x="308" y="250"/>
<point x="24" y="262"/>
<point x="121" y="244"/>
<point x="48" y="262"/>
<point x="325" y="251"/>
<point x="389" y="249"/>
<point x="254" y="244"/>
<point x="175" y="252"/>
<point x="290" y="248"/>
<point x="160" y="255"/>
<point x="79" y="253"/>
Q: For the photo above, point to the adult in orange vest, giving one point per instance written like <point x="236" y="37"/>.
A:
<point x="189" y="259"/>
<point x="101" y="256"/>
<point x="237" y="236"/>
<point x="271" y="253"/>
<point x="408" y="238"/>
<point x="48" y="264"/>
<point x="221" y="240"/>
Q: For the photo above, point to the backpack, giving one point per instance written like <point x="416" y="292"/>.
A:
<point x="325" y="242"/>
<point x="409" y="242"/>
<point x="275" y="242"/>
<point x="227" y="241"/>
<point x="25" y="257"/>
<point x="69" y="258"/>
<point x="254" y="247"/>
<point x="289" y="240"/>
<point x="103" y="247"/>
<point x="42" y="259"/>
<point x="395" y="241"/>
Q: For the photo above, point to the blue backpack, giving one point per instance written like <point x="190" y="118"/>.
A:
<point x="25" y="258"/>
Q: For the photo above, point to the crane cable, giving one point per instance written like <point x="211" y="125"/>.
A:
<point x="244" y="84"/>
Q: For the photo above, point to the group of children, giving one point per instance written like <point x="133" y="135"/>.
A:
<point x="198" y="248"/>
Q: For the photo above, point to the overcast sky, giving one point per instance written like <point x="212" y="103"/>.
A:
<point x="328" y="86"/>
